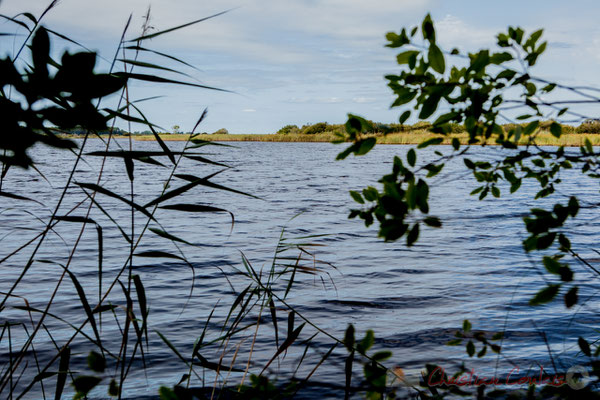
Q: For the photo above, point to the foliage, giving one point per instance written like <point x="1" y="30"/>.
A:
<point x="293" y="129"/>
<point x="317" y="128"/>
<point x="589" y="126"/>
<point x="221" y="131"/>
<point x="475" y="94"/>
<point x="64" y="98"/>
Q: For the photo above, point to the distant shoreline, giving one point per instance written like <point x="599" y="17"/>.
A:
<point x="414" y="137"/>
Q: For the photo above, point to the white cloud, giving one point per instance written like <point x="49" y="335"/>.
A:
<point x="364" y="100"/>
<point x="249" y="110"/>
<point x="454" y="32"/>
<point x="273" y="30"/>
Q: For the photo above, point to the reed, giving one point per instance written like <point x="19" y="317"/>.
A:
<point x="113" y="322"/>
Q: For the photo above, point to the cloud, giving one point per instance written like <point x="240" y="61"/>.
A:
<point x="316" y="100"/>
<point x="249" y="110"/>
<point x="271" y="30"/>
<point x="454" y="32"/>
<point x="363" y="100"/>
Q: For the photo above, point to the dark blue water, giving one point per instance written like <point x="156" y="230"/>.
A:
<point x="413" y="298"/>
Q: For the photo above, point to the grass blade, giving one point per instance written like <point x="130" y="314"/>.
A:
<point x="158" y="53"/>
<point x="63" y="368"/>
<point x="158" y="79"/>
<point x="153" y="35"/>
<point x="17" y="197"/>
<point x="158" y="254"/>
<point x="100" y="189"/>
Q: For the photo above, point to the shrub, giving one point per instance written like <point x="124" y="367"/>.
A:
<point x="589" y="127"/>
<point x="421" y="125"/>
<point x="221" y="131"/>
<point x="293" y="129"/>
<point x="319" y="127"/>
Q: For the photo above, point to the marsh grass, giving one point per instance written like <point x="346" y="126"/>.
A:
<point x="543" y="138"/>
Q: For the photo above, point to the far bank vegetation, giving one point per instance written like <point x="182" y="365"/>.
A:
<point x="384" y="133"/>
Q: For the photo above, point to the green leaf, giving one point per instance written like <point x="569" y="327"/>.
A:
<point x="429" y="106"/>
<point x="467" y="325"/>
<point x="405" y="57"/>
<point x="588" y="146"/>
<point x="556" y="129"/>
<point x="482" y="352"/>
<point x="433" y="222"/>
<point x="411" y="157"/>
<point x="367" y="342"/>
<point x="495" y="191"/>
<point x="551" y="265"/>
<point x="455" y="144"/>
<point x="564" y="241"/>
<point x="470" y="348"/>
<point x="365" y="146"/>
<point x="427" y="29"/>
<point x="83" y="384"/>
<point x="571" y="297"/>
<point x="96" y="362"/>
<point x="584" y="346"/>
<point x="403" y="96"/>
<point x="165" y="393"/>
<point x="545" y="241"/>
<point x="405" y="115"/>
<point x="545" y="295"/>
<point x="381" y="356"/>
<point x="436" y="59"/>
<point x="430" y="142"/>
<point x="413" y="235"/>
<point x="370" y="194"/>
<point x="357" y="197"/>
<point x="531" y="127"/>
<point x="113" y="388"/>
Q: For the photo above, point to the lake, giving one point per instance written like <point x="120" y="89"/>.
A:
<point x="413" y="298"/>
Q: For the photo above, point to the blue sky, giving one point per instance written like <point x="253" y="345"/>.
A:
<point x="306" y="61"/>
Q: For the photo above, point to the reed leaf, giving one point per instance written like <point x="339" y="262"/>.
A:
<point x="158" y="254"/>
<point x="18" y="197"/>
<point x="100" y="189"/>
<point x="153" y="35"/>
<point x="63" y="368"/>
<point x="158" y="79"/>
<point x="140" y="48"/>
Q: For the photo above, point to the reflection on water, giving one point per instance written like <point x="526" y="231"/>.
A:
<point x="414" y="299"/>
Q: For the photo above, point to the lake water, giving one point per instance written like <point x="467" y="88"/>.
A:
<point x="413" y="298"/>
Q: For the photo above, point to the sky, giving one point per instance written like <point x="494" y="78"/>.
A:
<point x="305" y="61"/>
